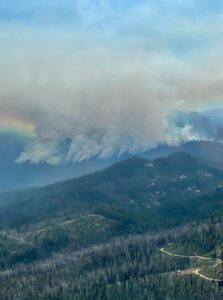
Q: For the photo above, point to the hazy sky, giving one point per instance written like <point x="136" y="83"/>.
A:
<point x="86" y="78"/>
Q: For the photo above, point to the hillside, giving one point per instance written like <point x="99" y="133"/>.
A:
<point x="101" y="234"/>
<point x="123" y="268"/>
<point x="210" y="152"/>
<point x="25" y="175"/>
<point x="135" y="190"/>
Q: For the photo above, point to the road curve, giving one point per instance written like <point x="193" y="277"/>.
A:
<point x="195" y="271"/>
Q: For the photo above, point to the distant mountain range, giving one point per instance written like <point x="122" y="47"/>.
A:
<point x="120" y="228"/>
<point x="210" y="152"/>
<point x="24" y="175"/>
<point x="154" y="192"/>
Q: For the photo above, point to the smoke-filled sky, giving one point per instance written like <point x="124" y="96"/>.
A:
<point x="85" y="78"/>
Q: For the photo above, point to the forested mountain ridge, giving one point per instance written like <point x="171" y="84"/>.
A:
<point x="210" y="151"/>
<point x="100" y="236"/>
<point x="123" y="268"/>
<point x="136" y="186"/>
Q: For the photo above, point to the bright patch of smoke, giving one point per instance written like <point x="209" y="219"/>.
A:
<point x="87" y="100"/>
<point x="99" y="103"/>
<point x="85" y="106"/>
<point x="188" y="126"/>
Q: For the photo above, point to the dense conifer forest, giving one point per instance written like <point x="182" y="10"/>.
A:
<point x="140" y="229"/>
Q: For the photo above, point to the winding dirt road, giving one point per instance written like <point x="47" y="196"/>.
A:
<point x="195" y="271"/>
<point x="185" y="256"/>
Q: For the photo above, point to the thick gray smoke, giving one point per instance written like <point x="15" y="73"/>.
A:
<point x="100" y="78"/>
<point x="207" y="125"/>
<point x="88" y="105"/>
<point x="96" y="101"/>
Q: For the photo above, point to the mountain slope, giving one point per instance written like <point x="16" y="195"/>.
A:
<point x="100" y="236"/>
<point x="136" y="190"/>
<point x="25" y="175"/>
<point x="211" y="152"/>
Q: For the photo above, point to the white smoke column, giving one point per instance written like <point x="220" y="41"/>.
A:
<point x="96" y="100"/>
<point x="104" y="103"/>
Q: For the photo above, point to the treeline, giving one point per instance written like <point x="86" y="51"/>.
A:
<point x="130" y="268"/>
<point x="205" y="238"/>
<point x="125" y="268"/>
